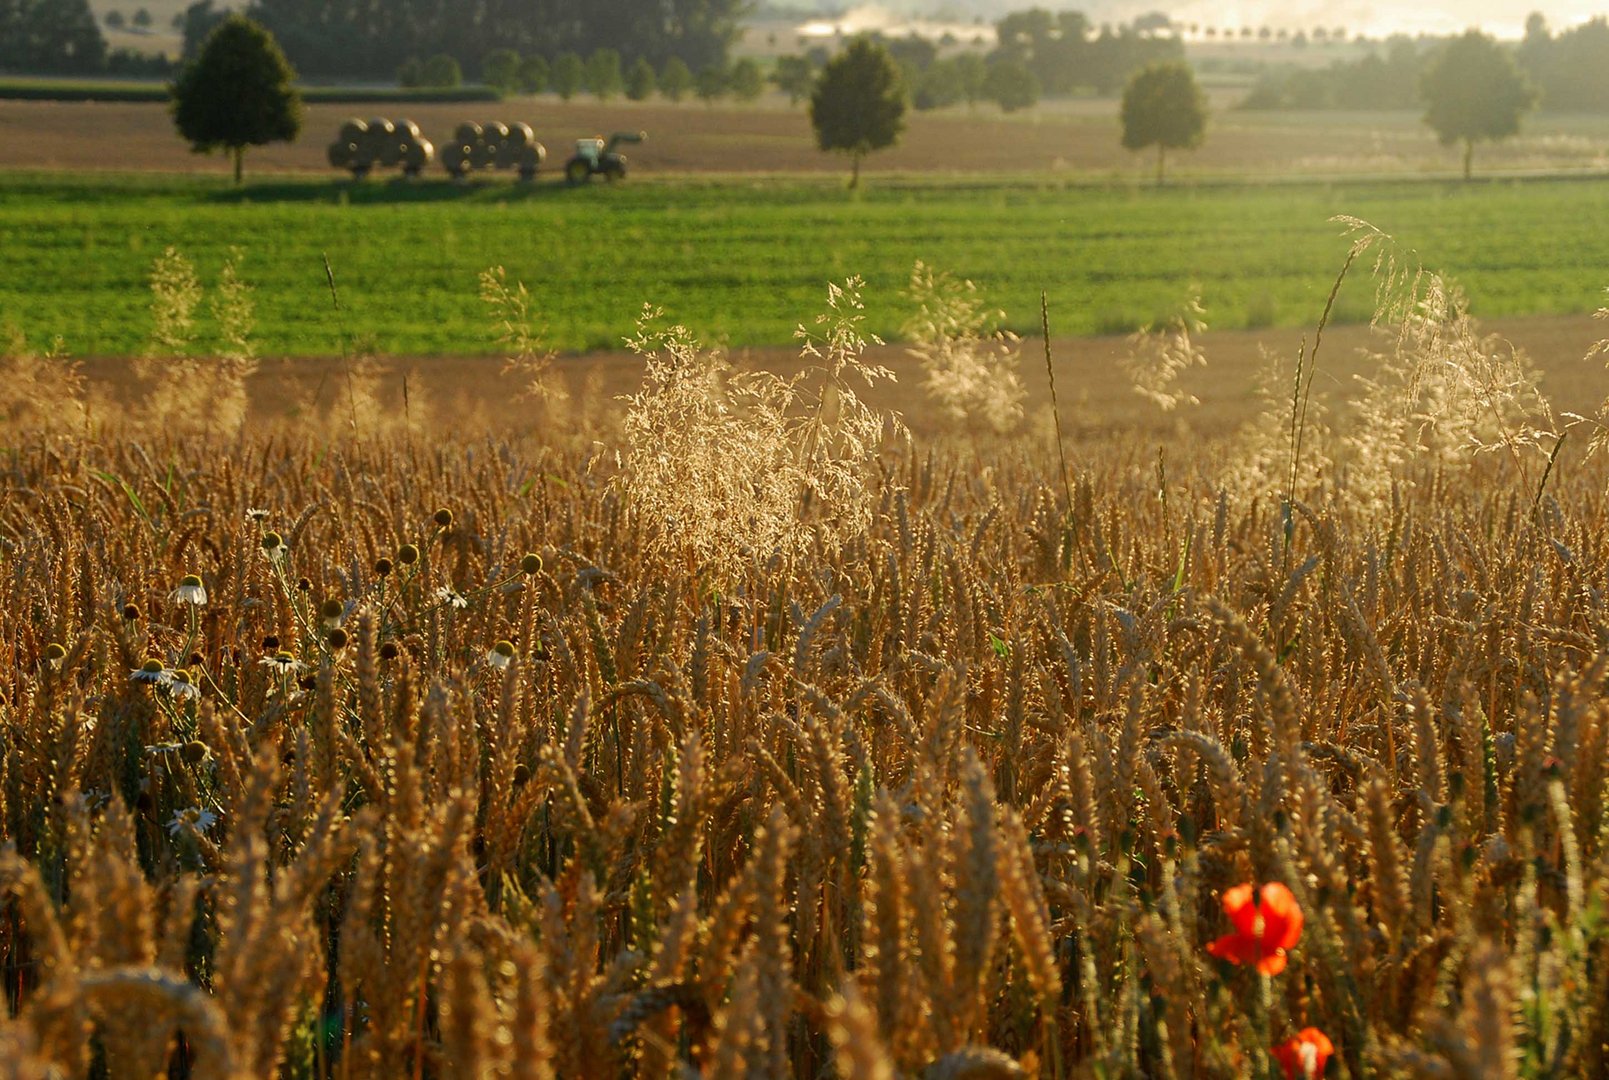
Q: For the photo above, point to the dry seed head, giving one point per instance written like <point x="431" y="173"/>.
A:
<point x="55" y="653"/>
<point x="443" y="518"/>
<point x="382" y="567"/>
<point x="151" y="666"/>
<point x="389" y="651"/>
<point x="270" y="643"/>
<point x="336" y="638"/>
<point x="531" y="563"/>
<point x="131" y="612"/>
<point x="407" y="554"/>
<point x="189" y="581"/>
<point x="195" y="752"/>
<point x="272" y="542"/>
<point x="331" y="609"/>
<point x="504" y="648"/>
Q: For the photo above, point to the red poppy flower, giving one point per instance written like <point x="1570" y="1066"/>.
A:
<point x="1266" y="924"/>
<point x="1304" y="1056"/>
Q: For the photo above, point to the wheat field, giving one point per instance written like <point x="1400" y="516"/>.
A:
<point x="749" y="734"/>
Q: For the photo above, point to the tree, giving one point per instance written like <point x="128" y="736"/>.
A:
<point x="114" y="20"/>
<point x="710" y="83"/>
<point x="237" y="92"/>
<point x="1009" y="84"/>
<point x="533" y="74"/>
<point x="1473" y="90"/>
<point x="859" y="103"/>
<point x="566" y="75"/>
<point x="51" y="36"/>
<point x="675" y="80"/>
<point x="200" y="19"/>
<point x="441" y="72"/>
<point x="640" y="80"/>
<point x="142" y="19"/>
<point x="501" y="69"/>
<point x="603" y="76"/>
<point x="745" y="80"/>
<point x="1163" y="107"/>
<point x="794" y="76"/>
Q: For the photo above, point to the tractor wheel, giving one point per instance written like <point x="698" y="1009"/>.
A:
<point x="577" y="171"/>
<point x="614" y="170"/>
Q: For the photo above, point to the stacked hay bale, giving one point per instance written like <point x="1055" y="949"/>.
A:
<point x="361" y="145"/>
<point x="493" y="146"/>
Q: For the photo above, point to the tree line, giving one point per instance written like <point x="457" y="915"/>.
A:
<point x="376" y="38"/>
<point x="1569" y="70"/>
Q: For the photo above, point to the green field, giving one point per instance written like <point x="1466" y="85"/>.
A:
<point x="743" y="261"/>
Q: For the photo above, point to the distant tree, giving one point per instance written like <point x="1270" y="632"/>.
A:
<point x="142" y="19"/>
<point x="710" y="83"/>
<point x="1473" y="90"/>
<point x="567" y="75"/>
<point x="200" y="19"/>
<point x="501" y="69"/>
<point x="640" y="80"/>
<point x="970" y="72"/>
<point x="745" y="80"/>
<point x="410" y="73"/>
<point x="603" y="77"/>
<point x="859" y="103"/>
<point x="675" y="80"/>
<point x="533" y="74"/>
<point x="794" y="76"/>
<point x="1011" y="85"/>
<point x="1163" y="107"/>
<point x="237" y="92"/>
<point x="441" y="72"/>
<point x="936" y="88"/>
<point x="114" y="20"/>
<point x="51" y="36"/>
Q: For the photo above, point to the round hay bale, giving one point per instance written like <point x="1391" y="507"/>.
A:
<point x="408" y="131"/>
<point x="467" y="133"/>
<point x="483" y="155"/>
<point x="455" y="157"/>
<point x="352" y="130"/>
<point x="380" y="125"/>
<point x="340" y="155"/>
<point x="521" y="135"/>
<point x="390" y="152"/>
<point x="494" y="132"/>
<point x="419" y="154"/>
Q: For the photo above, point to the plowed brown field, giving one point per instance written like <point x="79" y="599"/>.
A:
<point x="1080" y="136"/>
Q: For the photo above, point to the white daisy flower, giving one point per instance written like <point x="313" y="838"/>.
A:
<point x="283" y="663"/>
<point x="451" y="598"/>
<point x="256" y="513"/>
<point x="181" y="687"/>
<point x="195" y="817"/>
<point x="501" y="656"/>
<point x="274" y="549"/>
<point x="152" y="671"/>
<point x="190" y="591"/>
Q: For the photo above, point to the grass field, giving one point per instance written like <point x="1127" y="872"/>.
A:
<point x="726" y="257"/>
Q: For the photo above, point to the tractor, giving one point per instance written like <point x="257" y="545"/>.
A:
<point x="594" y="157"/>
